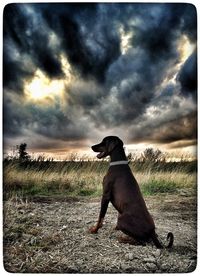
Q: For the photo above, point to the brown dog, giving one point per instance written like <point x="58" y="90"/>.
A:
<point x="121" y="188"/>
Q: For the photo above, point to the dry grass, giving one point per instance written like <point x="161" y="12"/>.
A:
<point x="172" y="182"/>
<point x="85" y="178"/>
<point x="72" y="181"/>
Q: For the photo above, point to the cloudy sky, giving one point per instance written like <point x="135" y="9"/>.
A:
<point x="75" y="73"/>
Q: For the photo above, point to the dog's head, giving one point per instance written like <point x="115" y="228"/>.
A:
<point x="107" y="145"/>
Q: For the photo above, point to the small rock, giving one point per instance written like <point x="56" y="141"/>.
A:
<point x="157" y="253"/>
<point x="33" y="241"/>
<point x="27" y="237"/>
<point x="64" y="227"/>
<point x="150" y="260"/>
<point x="123" y="266"/>
<point x="79" y="262"/>
<point x="89" y="221"/>
<point x="84" y="243"/>
<point x="129" y="257"/>
<point x="151" y="266"/>
<point x="164" y="267"/>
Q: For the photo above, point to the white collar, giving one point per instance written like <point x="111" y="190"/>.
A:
<point x="123" y="162"/>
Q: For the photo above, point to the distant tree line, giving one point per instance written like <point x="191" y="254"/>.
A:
<point x="23" y="155"/>
<point x="149" y="159"/>
<point x="19" y="153"/>
<point x="148" y="156"/>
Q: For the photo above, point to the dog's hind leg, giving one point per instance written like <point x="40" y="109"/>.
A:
<point x="117" y="228"/>
<point x="156" y="241"/>
<point x="130" y="240"/>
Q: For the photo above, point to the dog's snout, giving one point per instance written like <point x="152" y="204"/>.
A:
<point x="95" y="147"/>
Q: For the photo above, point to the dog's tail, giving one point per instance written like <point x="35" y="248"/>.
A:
<point x="170" y="237"/>
<point x="157" y="243"/>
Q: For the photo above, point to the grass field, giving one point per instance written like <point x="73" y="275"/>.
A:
<point x="84" y="178"/>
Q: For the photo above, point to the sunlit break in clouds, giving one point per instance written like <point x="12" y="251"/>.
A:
<point x="75" y="73"/>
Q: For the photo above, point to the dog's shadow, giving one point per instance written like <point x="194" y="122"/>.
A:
<point x="184" y="250"/>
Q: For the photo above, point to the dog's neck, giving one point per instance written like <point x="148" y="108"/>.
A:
<point x="118" y="154"/>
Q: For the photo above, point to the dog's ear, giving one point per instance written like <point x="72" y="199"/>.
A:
<point x="113" y="143"/>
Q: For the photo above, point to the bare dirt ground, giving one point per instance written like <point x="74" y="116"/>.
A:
<point x="51" y="235"/>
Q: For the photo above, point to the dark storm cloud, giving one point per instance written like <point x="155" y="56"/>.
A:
<point x="183" y="128"/>
<point x="14" y="71"/>
<point x="89" y="33"/>
<point x="26" y="35"/>
<point x="188" y="76"/>
<point x="49" y="121"/>
<point x="52" y="122"/>
<point x="189" y="23"/>
<point x="161" y="27"/>
<point x="112" y="88"/>
<point x="138" y="74"/>
<point x="175" y="129"/>
<point x="132" y="81"/>
<point x="88" y="41"/>
<point x="14" y="116"/>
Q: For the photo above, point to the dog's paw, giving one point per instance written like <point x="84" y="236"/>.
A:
<point x="93" y="230"/>
<point x="116" y="228"/>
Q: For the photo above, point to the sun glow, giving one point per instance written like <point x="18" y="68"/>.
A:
<point x="185" y="48"/>
<point x="66" y="67"/>
<point x="125" y="40"/>
<point x="41" y="87"/>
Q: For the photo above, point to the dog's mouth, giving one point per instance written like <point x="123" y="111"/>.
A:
<point x="101" y="150"/>
<point x="101" y="154"/>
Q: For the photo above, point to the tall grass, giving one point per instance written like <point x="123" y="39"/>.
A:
<point x="50" y="178"/>
<point x="84" y="178"/>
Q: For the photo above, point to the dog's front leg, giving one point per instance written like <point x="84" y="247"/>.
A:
<point x="104" y="207"/>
